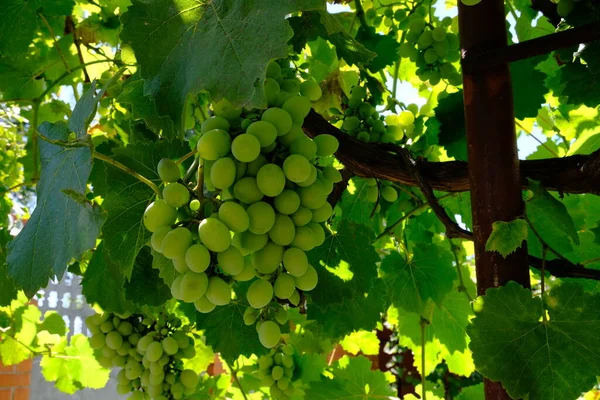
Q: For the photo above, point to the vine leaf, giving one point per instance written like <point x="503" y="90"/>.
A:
<point x="165" y="267"/>
<point x="474" y="392"/>
<point x="579" y="80"/>
<point x="551" y="219"/>
<point x="385" y="46"/>
<point x="557" y="359"/>
<point x="25" y="319"/>
<point x="310" y="366"/>
<point x="61" y="226"/>
<point x="450" y="319"/>
<point x="452" y="132"/>
<point x="353" y="379"/>
<point x="19" y="81"/>
<point x="429" y="275"/>
<point x="528" y="87"/>
<point x="348" y="287"/>
<point x="186" y="46"/>
<point x="145" y="286"/>
<point x="508" y="236"/>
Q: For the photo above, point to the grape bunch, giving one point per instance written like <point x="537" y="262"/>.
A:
<point x="266" y="202"/>
<point x="149" y="351"/>
<point x="433" y="49"/>
<point x="276" y="371"/>
<point x="380" y="189"/>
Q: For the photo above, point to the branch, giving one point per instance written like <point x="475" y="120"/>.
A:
<point x="574" y="174"/>
<point x="564" y="269"/>
<point x="482" y="61"/>
<point x="127" y="170"/>
<point x="70" y="27"/>
<point x="339" y="188"/>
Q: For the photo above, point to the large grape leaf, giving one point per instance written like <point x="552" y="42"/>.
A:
<point x="428" y="275"/>
<point x="581" y="80"/>
<point x="185" y="46"/>
<point x="126" y="198"/>
<point x="384" y="46"/>
<point x="165" y="267"/>
<point x="528" y="87"/>
<point x="452" y="134"/>
<point x="536" y="359"/>
<point x="64" y="224"/>
<point x="145" y="286"/>
<point x="551" y="219"/>
<point x="506" y="237"/>
<point x="450" y="319"/>
<point x="349" y="291"/>
<point x="23" y="331"/>
<point x="19" y="81"/>
<point x="8" y="291"/>
<point x="354" y="379"/>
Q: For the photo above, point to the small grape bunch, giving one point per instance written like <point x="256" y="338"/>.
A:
<point x="150" y="352"/>
<point x="433" y="49"/>
<point x="384" y="191"/>
<point x="276" y="371"/>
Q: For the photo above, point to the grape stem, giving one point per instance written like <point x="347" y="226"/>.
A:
<point x="236" y="379"/>
<point x="127" y="170"/>
<point x="423" y="324"/>
<point x="543" y="281"/>
<point x="185" y="157"/>
<point x="461" y="283"/>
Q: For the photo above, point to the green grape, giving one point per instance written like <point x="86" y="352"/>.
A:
<point x="247" y="272"/>
<point x="272" y="90"/>
<point x="326" y="145"/>
<point x="296" y="168"/>
<point x="269" y="334"/>
<point x="430" y="56"/>
<point x="180" y="265"/>
<point x="106" y="326"/>
<point x="143" y="344"/>
<point x="176" y="195"/>
<point x="265" y="362"/>
<point x="158" y="236"/>
<point x="425" y="40"/>
<point x="176" y="243"/>
<point x="439" y="34"/>
<point x="222" y="173"/>
<point x="284" y="286"/>
<point x="134" y="339"/>
<point x="125" y="328"/>
<point x="310" y="88"/>
<point x="183" y="340"/>
<point x="298" y="107"/>
<point x="363" y="137"/>
<point x="406" y="118"/>
<point x="218" y="292"/>
<point x="123" y="389"/>
<point x="214" y="144"/>
<point x="136" y="396"/>
<point x="193" y="286"/>
<point x="312" y="196"/>
<point x="267" y="259"/>
<point x="204" y="305"/>
<point x="268" y="149"/>
<point x="311" y="179"/>
<point x="114" y="340"/>
<point x="264" y="131"/>
<point x="225" y="109"/>
<point x="159" y="214"/>
<point x="350" y="124"/>
<point x="318" y="232"/>
<point x="277" y="372"/>
<point x="283" y="230"/>
<point x="281" y="315"/>
<point x="207" y="166"/>
<point x="157" y="379"/>
<point x="154" y="352"/>
<point x="447" y="70"/>
<point x="283" y="383"/>
<point x="358" y="92"/>
<point x="332" y="174"/>
<point x="353" y="104"/>
<point x="189" y="378"/>
<point x="364" y="110"/>
<point x="214" y="122"/>
<point x="453" y="42"/>
<point x="246" y="190"/>
<point x="176" y="287"/>
<point x="197" y="258"/>
<point x="154" y="390"/>
<point x="291" y="85"/>
<point x="253" y="242"/>
<point x="287" y="202"/>
<point x="294" y="133"/>
<point x="455" y="79"/>
<point x="250" y="316"/>
<point x="240" y="169"/>
<point x="214" y="234"/>
<point x="322" y="214"/>
<point x="295" y="261"/>
<point x="441" y="48"/>
<point x="417" y="25"/>
<point x="288" y="350"/>
<point x="245" y="147"/>
<point x="295" y="298"/>
<point x="304" y="239"/>
<point x="231" y="261"/>
<point x="234" y="216"/>
<point x="170" y="346"/>
<point x="308" y="281"/>
<point x="97" y="341"/>
<point x="168" y="170"/>
<point x="262" y="217"/>
<point x="273" y="71"/>
<point x="470" y="2"/>
<point x="389" y="194"/>
<point x="277" y="393"/>
<point x="302" y="216"/>
<point x="281" y="119"/>
<point x="270" y="180"/>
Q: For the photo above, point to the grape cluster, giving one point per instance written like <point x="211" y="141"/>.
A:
<point x="433" y="50"/>
<point x="267" y="201"/>
<point x="150" y="353"/>
<point x="276" y="371"/>
<point x="380" y="189"/>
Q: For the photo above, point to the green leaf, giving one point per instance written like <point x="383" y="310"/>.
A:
<point x="103" y="284"/>
<point x="528" y="87"/>
<point x="354" y="205"/>
<point x="310" y="366"/>
<point x="450" y="319"/>
<point x="19" y="83"/>
<point x="185" y="46"/>
<point x="61" y="227"/>
<point x="126" y="198"/>
<point x="18" y="27"/>
<point x="580" y="80"/>
<point x="8" y="291"/>
<point x="428" y="275"/>
<point x="349" y="291"/>
<point x="145" y="286"/>
<point x="365" y="342"/>
<point x="144" y="107"/>
<point x="13" y="348"/>
<point x="385" y="46"/>
<point x="165" y="267"/>
<point x="79" y="369"/>
<point x="452" y="135"/>
<point x="53" y="323"/>
<point x="557" y="359"/>
<point x="551" y="220"/>
<point x="506" y="237"/>
<point x="353" y="379"/>
<point x="472" y="393"/>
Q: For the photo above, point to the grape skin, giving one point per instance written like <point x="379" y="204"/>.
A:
<point x="234" y="216"/>
<point x="193" y="286"/>
<point x="287" y="202"/>
<point x="231" y="261"/>
<point x="283" y="230"/>
<point x="264" y="131"/>
<point x="262" y="217"/>
<point x="308" y="281"/>
<point x="218" y="292"/>
<point x="279" y="118"/>
<point x="259" y="293"/>
<point x="214" y="144"/>
<point x="214" y="234"/>
<point x="295" y="261"/>
<point x="284" y="286"/>
<point x="269" y="334"/>
<point x="267" y="259"/>
<point x="326" y="145"/>
<point x="296" y="168"/>
<point x="168" y="170"/>
<point x="204" y="305"/>
<point x="197" y="258"/>
<point x="246" y="190"/>
<point x="159" y="214"/>
<point x="270" y="180"/>
<point x="222" y="173"/>
<point x="176" y="243"/>
<point x="176" y="195"/>
<point x="245" y="147"/>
